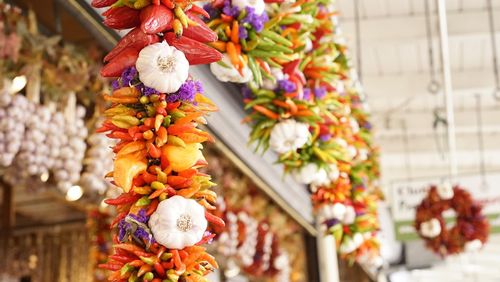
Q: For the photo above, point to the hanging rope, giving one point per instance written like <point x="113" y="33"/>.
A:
<point x="480" y="142"/>
<point x="496" y="92"/>
<point x="357" y="24"/>
<point x="406" y="148"/>
<point x="439" y="122"/>
<point x="433" y="86"/>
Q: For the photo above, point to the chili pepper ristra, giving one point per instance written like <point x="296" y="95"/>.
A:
<point x="164" y="213"/>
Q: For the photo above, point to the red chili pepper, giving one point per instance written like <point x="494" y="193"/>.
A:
<point x="120" y="62"/>
<point x="215" y="220"/>
<point x="175" y="181"/>
<point x="102" y="3"/>
<point x="122" y="258"/>
<point x="172" y="106"/>
<point x="218" y="3"/>
<point x="156" y="2"/>
<point x="120" y="135"/>
<point x="168" y="3"/>
<point x="152" y="207"/>
<point x="159" y="270"/>
<point x="135" y="39"/>
<point x="118" y="218"/>
<point x="196" y="53"/>
<point x="206" y="239"/>
<point x="156" y="18"/>
<point x="200" y="11"/>
<point x="200" y="32"/>
<point x="123" y="199"/>
<point x="121" y="18"/>
<point x="111" y="266"/>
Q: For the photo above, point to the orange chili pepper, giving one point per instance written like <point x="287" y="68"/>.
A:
<point x="158" y="121"/>
<point x="188" y="173"/>
<point x="148" y="177"/>
<point x="227" y="30"/>
<point x="189" y="118"/>
<point x="219" y="45"/>
<point x="161" y="137"/>
<point x="126" y="92"/>
<point x="235" y="38"/>
<point x="281" y="104"/>
<point x="192" y="138"/>
<point x="176" y="258"/>
<point x="304" y="113"/>
<point x="176" y="129"/>
<point x="153" y="151"/>
<point x="225" y="18"/>
<point x="233" y="55"/>
<point x="268" y="113"/>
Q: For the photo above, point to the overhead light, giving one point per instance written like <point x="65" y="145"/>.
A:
<point x="18" y="84"/>
<point x="74" y="193"/>
<point x="44" y="177"/>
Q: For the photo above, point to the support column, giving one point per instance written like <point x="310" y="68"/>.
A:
<point x="327" y="257"/>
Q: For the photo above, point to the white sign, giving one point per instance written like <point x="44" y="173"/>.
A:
<point x="406" y="195"/>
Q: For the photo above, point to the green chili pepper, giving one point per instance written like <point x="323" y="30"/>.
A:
<point x="133" y="277"/>
<point x="149" y="276"/>
<point x="157" y="185"/>
<point x="272" y="22"/>
<point x="257" y="76"/>
<point x="125" y="269"/>
<point x="276" y="37"/>
<point x="267" y="46"/>
<point x="221" y="63"/>
<point x="148" y="260"/>
<point x="166" y="121"/>
<point x="144" y="201"/>
<point x="257" y="101"/>
<point x="166" y="256"/>
<point x="242" y="15"/>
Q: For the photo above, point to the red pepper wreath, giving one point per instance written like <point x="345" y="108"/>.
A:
<point x="468" y="234"/>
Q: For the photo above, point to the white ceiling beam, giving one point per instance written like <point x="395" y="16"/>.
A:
<point x="428" y="132"/>
<point x="409" y="28"/>
<point x="409" y="84"/>
<point x="469" y="158"/>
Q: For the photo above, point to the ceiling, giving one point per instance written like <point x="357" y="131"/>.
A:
<point x="396" y="73"/>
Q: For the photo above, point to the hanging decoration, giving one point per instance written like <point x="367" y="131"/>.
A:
<point x="471" y="227"/>
<point x="166" y="204"/>
<point x="305" y="104"/>
<point x="251" y="217"/>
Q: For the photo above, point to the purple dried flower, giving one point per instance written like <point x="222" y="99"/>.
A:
<point x="320" y="92"/>
<point x="307" y="94"/>
<point x="187" y="92"/>
<point x="115" y="84"/>
<point x="147" y="91"/>
<point x="257" y="21"/>
<point x="140" y="217"/>
<point x="286" y="85"/>
<point x="128" y="75"/>
<point x="199" y="87"/>
<point x="325" y="137"/>
<point x="242" y="31"/>
<point x="229" y="10"/>
<point x="247" y="92"/>
<point x="331" y="222"/>
<point x="214" y="13"/>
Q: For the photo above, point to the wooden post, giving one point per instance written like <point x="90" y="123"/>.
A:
<point x="7" y="217"/>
